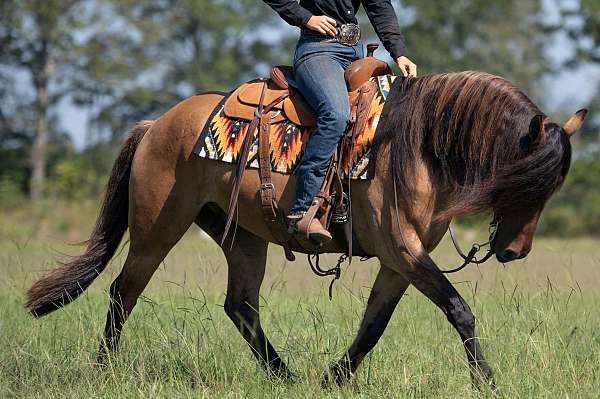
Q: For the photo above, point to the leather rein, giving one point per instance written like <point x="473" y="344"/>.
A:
<point x="471" y="257"/>
<point x="468" y="259"/>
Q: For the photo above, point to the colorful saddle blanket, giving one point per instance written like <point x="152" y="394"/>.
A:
<point x="221" y="138"/>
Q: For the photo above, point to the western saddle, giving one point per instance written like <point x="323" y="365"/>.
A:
<point x="264" y="102"/>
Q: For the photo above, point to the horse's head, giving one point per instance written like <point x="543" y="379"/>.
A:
<point x="547" y="143"/>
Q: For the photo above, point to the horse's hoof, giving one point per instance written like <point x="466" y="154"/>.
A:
<point x="336" y="375"/>
<point x="283" y="375"/>
<point x="484" y="381"/>
<point x="101" y="362"/>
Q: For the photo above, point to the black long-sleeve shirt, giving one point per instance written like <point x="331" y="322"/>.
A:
<point x="380" y="12"/>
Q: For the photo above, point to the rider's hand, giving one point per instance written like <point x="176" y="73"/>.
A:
<point x="322" y="24"/>
<point x="407" y="67"/>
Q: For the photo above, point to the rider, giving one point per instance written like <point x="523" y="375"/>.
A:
<point x="328" y="44"/>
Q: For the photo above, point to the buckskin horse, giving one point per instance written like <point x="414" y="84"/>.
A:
<point x="451" y="144"/>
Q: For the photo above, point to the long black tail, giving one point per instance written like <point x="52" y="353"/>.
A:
<point x="65" y="284"/>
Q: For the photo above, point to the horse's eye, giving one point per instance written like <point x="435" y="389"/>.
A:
<point x="525" y="143"/>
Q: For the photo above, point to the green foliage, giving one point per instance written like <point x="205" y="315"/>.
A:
<point x="575" y="210"/>
<point x="15" y="167"/>
<point x="582" y="25"/>
<point x="195" y="46"/>
<point x="11" y="192"/>
<point x="38" y="42"/>
<point x="507" y="38"/>
<point x="74" y="178"/>
<point x="127" y="60"/>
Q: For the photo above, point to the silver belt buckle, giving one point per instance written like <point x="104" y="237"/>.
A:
<point x="348" y="34"/>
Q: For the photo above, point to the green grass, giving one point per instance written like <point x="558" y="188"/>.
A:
<point x="544" y="345"/>
<point x="538" y="322"/>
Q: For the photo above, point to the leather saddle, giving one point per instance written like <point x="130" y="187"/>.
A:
<point x="265" y="102"/>
<point x="243" y="102"/>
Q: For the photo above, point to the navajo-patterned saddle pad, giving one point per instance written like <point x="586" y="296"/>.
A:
<point x="221" y="138"/>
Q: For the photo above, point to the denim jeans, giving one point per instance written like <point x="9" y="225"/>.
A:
<point x="319" y="68"/>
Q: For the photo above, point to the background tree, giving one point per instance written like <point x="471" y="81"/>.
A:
<point x="196" y="46"/>
<point x="582" y="21"/>
<point x="507" y="38"/>
<point x="58" y="49"/>
<point x="35" y="37"/>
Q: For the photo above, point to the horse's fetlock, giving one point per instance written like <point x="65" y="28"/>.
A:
<point x="338" y="374"/>
<point x="231" y="309"/>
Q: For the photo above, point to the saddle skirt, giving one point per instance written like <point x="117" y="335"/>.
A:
<point x="292" y="123"/>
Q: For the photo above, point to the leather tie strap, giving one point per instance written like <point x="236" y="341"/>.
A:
<point x="268" y="197"/>
<point x="243" y="159"/>
<point x="267" y="189"/>
<point x="241" y="166"/>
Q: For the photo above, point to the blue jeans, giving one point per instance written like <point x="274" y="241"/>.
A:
<point x="319" y="68"/>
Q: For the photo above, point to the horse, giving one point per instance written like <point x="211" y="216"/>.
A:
<point x="451" y="144"/>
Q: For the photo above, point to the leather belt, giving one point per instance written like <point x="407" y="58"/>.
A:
<point x="347" y="34"/>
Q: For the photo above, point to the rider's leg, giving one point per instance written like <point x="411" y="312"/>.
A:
<point x="319" y="69"/>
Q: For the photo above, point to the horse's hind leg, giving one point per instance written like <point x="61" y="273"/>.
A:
<point x="142" y="261"/>
<point x="246" y="261"/>
<point x="159" y="216"/>
<point x="387" y="290"/>
<point x="145" y="255"/>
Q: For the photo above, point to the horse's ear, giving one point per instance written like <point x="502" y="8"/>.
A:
<point x="536" y="131"/>
<point x="575" y="122"/>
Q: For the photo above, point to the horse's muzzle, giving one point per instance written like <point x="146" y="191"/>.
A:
<point x="508" y="255"/>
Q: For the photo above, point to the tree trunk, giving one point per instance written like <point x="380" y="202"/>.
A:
<point x="40" y="140"/>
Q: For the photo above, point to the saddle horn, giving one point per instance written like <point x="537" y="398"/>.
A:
<point x="371" y="47"/>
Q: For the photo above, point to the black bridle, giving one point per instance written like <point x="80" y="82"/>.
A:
<point x="471" y="257"/>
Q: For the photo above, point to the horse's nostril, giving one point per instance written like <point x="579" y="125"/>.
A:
<point x="509" y="255"/>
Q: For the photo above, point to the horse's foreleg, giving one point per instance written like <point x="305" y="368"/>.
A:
<point x="387" y="290"/>
<point x="435" y="286"/>
<point x="145" y="254"/>
<point x="246" y="261"/>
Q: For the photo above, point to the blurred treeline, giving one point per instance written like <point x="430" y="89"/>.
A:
<point x="120" y="61"/>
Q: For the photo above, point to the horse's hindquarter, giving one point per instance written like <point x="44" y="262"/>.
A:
<point x="164" y="165"/>
<point x="170" y="142"/>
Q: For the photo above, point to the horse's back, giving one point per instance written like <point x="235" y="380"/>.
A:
<point x="175" y="133"/>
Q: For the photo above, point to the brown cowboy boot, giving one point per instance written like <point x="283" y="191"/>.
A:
<point x="315" y="230"/>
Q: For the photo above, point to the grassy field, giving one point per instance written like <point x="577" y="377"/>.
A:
<point x="538" y="321"/>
